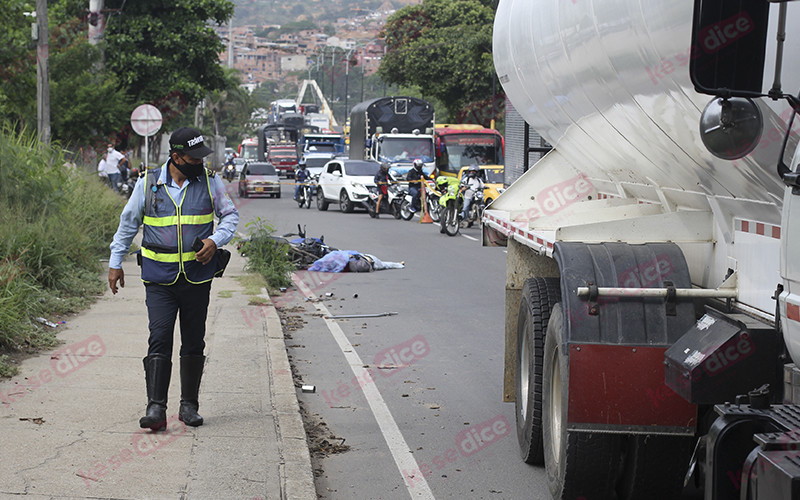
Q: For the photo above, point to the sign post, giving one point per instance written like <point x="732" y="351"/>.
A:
<point x="146" y="121"/>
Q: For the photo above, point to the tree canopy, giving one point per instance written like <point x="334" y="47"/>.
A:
<point x="161" y="53"/>
<point x="444" y="48"/>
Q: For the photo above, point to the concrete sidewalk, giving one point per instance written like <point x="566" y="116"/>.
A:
<point x="69" y="420"/>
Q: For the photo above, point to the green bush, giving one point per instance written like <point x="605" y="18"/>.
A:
<point x="265" y="256"/>
<point x="56" y="222"/>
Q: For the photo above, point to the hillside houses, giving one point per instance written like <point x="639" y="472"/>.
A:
<point x="259" y="59"/>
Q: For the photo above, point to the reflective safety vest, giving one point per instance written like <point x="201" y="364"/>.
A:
<point x="171" y="227"/>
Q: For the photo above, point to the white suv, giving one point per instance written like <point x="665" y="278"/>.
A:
<point x="346" y="182"/>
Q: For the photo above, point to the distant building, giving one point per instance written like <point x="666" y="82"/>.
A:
<point x="293" y="63"/>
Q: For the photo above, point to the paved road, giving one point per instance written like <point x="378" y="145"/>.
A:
<point x="434" y="370"/>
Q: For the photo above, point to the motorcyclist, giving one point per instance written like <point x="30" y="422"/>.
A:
<point x="382" y="179"/>
<point x="471" y="183"/>
<point x="415" y="178"/>
<point x="229" y="173"/>
<point x="300" y="176"/>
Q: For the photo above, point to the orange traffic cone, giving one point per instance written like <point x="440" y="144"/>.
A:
<point x="426" y="217"/>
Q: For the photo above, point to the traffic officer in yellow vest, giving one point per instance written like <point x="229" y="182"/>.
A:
<point x="176" y="204"/>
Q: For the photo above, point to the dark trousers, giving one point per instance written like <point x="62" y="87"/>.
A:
<point x="164" y="303"/>
<point x="414" y="192"/>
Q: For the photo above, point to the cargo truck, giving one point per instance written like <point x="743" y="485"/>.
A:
<point x="652" y="319"/>
<point x="396" y="129"/>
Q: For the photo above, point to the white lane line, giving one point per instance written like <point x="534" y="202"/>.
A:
<point x="470" y="237"/>
<point x="403" y="458"/>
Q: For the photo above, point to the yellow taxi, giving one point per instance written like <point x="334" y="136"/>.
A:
<point x="492" y="176"/>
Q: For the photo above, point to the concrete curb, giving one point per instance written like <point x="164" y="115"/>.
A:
<point x="297" y="476"/>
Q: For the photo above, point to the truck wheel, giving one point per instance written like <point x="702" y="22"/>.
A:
<point x="654" y="467"/>
<point x="345" y="205"/>
<point x="578" y="464"/>
<point x="322" y="204"/>
<point x="539" y="295"/>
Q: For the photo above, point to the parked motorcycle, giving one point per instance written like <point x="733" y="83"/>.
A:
<point x="126" y="188"/>
<point x="450" y="204"/>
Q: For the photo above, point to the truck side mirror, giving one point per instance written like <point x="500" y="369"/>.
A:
<point x="728" y="49"/>
<point x="730" y="128"/>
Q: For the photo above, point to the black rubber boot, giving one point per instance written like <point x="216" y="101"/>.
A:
<point x="191" y="373"/>
<point x="157" y="371"/>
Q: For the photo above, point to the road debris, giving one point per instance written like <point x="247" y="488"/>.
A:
<point x="375" y="315"/>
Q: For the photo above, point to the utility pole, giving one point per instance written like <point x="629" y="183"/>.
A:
<point x="333" y="74"/>
<point x="346" y="85"/>
<point x="230" y="43"/>
<point x="42" y="73"/>
<point x="97" y="23"/>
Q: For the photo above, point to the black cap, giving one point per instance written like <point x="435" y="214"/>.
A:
<point x="189" y="141"/>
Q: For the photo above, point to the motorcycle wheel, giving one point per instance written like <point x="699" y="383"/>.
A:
<point x="405" y="211"/>
<point x="450" y="220"/>
<point x="308" y="199"/>
<point x="473" y="215"/>
<point x="396" y="210"/>
<point x="433" y="210"/>
<point x="301" y="200"/>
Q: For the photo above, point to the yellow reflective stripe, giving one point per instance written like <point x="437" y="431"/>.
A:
<point x="167" y="257"/>
<point x="159" y="257"/>
<point x="171" y="220"/>
<point x="197" y="219"/>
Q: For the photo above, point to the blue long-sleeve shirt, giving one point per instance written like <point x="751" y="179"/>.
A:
<point x="132" y="214"/>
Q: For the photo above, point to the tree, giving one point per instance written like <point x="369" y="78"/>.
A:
<point x="442" y="47"/>
<point x="17" y="64"/>
<point x="157" y="50"/>
<point x="87" y="105"/>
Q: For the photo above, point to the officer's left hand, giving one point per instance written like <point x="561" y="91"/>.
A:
<point x="209" y="249"/>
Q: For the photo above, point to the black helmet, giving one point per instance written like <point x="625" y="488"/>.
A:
<point x="418" y="164"/>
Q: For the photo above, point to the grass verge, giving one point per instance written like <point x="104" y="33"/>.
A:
<point x="56" y="221"/>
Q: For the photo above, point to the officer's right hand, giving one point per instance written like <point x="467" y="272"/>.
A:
<point x="115" y="275"/>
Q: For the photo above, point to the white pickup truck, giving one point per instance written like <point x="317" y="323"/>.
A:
<point x="652" y="300"/>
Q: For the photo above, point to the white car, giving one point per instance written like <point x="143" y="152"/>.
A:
<point x="347" y="182"/>
<point x="315" y="162"/>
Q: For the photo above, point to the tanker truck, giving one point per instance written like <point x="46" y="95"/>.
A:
<point x="652" y="319"/>
<point x="396" y="130"/>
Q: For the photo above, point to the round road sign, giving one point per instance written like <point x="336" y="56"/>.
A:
<point x="146" y="120"/>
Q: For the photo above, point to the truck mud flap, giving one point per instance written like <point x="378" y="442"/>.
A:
<point x="615" y="345"/>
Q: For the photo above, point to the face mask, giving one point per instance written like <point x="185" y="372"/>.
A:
<point x="189" y="170"/>
<point x="110" y="149"/>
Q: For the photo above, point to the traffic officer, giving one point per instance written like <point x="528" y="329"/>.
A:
<point x="176" y="204"/>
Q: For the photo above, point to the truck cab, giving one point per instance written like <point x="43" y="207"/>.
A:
<point x="400" y="151"/>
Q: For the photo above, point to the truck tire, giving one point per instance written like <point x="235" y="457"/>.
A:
<point x="322" y="204"/>
<point x="539" y="295"/>
<point x="578" y="464"/>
